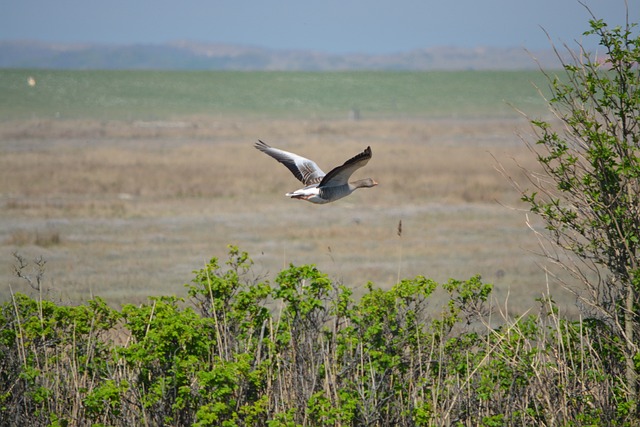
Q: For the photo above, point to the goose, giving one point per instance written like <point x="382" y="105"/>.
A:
<point x="319" y="187"/>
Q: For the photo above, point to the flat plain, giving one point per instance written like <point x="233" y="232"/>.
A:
<point x="124" y="201"/>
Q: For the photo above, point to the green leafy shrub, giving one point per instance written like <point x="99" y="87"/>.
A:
<point x="588" y="193"/>
<point x="301" y="352"/>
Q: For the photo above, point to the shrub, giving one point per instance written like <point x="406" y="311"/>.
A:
<point x="303" y="351"/>
<point x="588" y="194"/>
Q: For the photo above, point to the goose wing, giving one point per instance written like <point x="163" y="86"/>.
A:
<point x="307" y="171"/>
<point x="341" y="174"/>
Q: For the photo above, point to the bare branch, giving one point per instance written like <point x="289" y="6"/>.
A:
<point x="34" y="278"/>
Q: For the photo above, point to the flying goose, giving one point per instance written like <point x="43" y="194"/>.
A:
<point x="320" y="187"/>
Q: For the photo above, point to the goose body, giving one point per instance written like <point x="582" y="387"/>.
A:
<point x="320" y="187"/>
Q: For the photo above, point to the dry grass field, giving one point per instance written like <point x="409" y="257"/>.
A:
<point x="127" y="209"/>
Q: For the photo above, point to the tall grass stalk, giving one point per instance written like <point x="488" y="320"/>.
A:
<point x="399" y="232"/>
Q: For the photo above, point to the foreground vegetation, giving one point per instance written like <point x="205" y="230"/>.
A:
<point x="588" y="192"/>
<point x="302" y="351"/>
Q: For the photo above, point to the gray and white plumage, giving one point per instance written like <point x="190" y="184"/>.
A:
<point x="320" y="187"/>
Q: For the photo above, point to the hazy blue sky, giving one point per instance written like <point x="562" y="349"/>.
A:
<point x="337" y="26"/>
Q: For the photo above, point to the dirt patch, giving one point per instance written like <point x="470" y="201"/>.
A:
<point x="130" y="209"/>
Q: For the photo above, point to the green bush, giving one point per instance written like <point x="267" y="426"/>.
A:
<point x="302" y="351"/>
<point x="588" y="191"/>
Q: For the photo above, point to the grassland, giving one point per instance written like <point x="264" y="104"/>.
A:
<point x="146" y="95"/>
<point x="125" y="182"/>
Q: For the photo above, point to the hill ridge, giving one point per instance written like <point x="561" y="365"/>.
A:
<point x="189" y="55"/>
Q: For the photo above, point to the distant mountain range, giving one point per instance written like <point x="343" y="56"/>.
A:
<point x="184" y="55"/>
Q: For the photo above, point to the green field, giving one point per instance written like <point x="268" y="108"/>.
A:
<point x="150" y="95"/>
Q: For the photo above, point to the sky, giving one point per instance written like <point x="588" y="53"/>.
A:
<point x="330" y="26"/>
